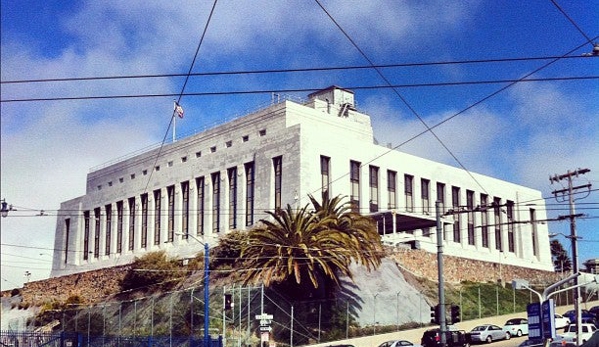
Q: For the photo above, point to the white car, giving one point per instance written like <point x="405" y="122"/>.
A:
<point x="561" y="321"/>
<point x="569" y="334"/>
<point x="516" y="327"/>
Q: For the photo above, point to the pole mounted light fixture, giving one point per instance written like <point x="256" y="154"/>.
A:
<point x="5" y="208"/>
<point x="207" y="341"/>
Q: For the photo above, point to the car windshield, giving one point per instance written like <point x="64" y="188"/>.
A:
<point x="480" y="328"/>
<point x="512" y="322"/>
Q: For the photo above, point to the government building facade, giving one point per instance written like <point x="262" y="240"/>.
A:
<point x="191" y="191"/>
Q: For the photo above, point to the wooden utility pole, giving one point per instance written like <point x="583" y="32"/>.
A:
<point x="570" y="191"/>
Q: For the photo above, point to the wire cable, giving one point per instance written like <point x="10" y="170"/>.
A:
<point x="181" y="93"/>
<point x="276" y="71"/>
<point x="401" y="97"/>
<point x="299" y="90"/>
<point x="572" y="21"/>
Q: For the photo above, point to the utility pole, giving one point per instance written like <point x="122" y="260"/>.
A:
<point x="442" y="319"/>
<point x="570" y="190"/>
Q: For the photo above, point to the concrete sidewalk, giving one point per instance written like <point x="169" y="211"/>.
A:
<point x="414" y="335"/>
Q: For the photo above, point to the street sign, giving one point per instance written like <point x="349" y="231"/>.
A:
<point x="548" y="315"/>
<point x="535" y="326"/>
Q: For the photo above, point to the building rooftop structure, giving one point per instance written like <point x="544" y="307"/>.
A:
<point x="224" y="179"/>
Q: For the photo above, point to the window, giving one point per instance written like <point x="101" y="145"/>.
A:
<point x="144" y="221"/>
<point x="470" y="215"/>
<point x="108" y="229"/>
<point x="170" y="193"/>
<point x="212" y="149"/>
<point x="119" y="227"/>
<point x="391" y="189"/>
<point x="169" y="163"/>
<point x="157" y="168"/>
<point x="229" y="144"/>
<point x="325" y="174"/>
<point x="144" y="172"/>
<point x="455" y="203"/>
<point x="157" y="212"/>
<point x="510" y="226"/>
<point x="374" y="188"/>
<point x="185" y="209"/>
<point x="441" y="196"/>
<point x="121" y="180"/>
<point x="200" y="205"/>
<point x="232" y="173"/>
<point x="85" y="235"/>
<point x="132" y="223"/>
<point x="249" y="198"/>
<point x="99" y="187"/>
<point x="408" y="190"/>
<point x="97" y="215"/>
<point x="354" y="179"/>
<point x="132" y="176"/>
<point x="67" y="232"/>
<point x="110" y="183"/>
<point x="216" y="202"/>
<point x="245" y="138"/>
<point x="484" y="220"/>
<point x="198" y="154"/>
<point x="184" y="159"/>
<point x="424" y="195"/>
<point x="262" y="132"/>
<point x="497" y="222"/>
<point x="534" y="231"/>
<point x="278" y="170"/>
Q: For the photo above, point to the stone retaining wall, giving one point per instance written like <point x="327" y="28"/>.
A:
<point x="456" y="270"/>
<point x="94" y="286"/>
<point x="90" y="286"/>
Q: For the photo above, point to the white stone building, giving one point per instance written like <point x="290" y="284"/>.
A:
<point x="225" y="178"/>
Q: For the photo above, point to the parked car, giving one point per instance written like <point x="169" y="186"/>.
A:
<point x="569" y="334"/>
<point x="453" y="338"/>
<point x="488" y="333"/>
<point x="516" y="327"/>
<point x="595" y="310"/>
<point x="531" y="343"/>
<point x="585" y="314"/>
<point x="398" y="343"/>
<point x="561" y="321"/>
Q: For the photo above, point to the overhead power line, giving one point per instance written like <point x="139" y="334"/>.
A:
<point x="300" y="90"/>
<point x="274" y="71"/>
<point x="572" y="21"/>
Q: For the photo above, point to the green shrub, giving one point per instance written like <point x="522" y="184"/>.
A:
<point x="152" y="271"/>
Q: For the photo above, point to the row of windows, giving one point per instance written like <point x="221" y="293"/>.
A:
<point x="160" y="212"/>
<point x="485" y="204"/>
<point x="183" y="159"/>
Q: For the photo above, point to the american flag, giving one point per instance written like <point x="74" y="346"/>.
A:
<point x="178" y="110"/>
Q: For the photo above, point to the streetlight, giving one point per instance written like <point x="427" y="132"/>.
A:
<point x="5" y="208"/>
<point x="206" y="287"/>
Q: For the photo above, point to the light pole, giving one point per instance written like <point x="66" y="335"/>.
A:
<point x="206" y="288"/>
<point x="5" y="208"/>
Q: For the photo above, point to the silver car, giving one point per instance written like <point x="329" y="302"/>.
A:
<point x="488" y="333"/>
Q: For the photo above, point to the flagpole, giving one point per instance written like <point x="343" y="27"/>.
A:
<point x="174" y="127"/>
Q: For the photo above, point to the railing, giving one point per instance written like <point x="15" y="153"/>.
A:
<point x="275" y="100"/>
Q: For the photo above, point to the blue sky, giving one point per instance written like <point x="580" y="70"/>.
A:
<point x="523" y="134"/>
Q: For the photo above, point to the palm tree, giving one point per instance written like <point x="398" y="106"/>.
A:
<point x="301" y="255"/>
<point x="318" y="245"/>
